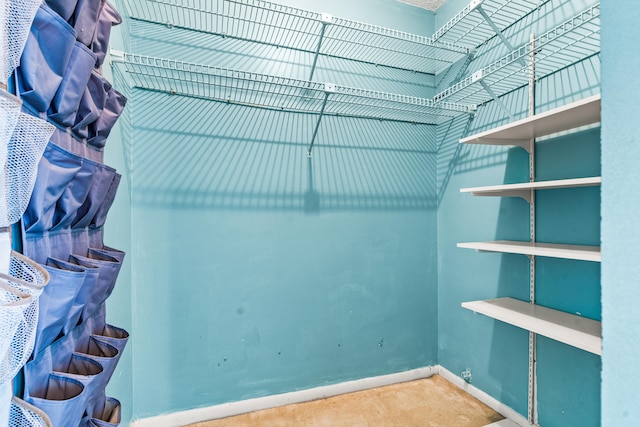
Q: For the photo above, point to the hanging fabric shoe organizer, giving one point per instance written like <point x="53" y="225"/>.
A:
<point x="61" y="192"/>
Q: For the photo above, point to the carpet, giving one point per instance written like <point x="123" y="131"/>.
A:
<point x="430" y="402"/>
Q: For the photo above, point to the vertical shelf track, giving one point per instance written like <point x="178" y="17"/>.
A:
<point x="532" y="383"/>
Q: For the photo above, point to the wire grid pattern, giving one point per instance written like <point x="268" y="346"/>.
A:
<point x="21" y="14"/>
<point x="25" y="148"/>
<point x="572" y="41"/>
<point x="27" y="277"/>
<point x="470" y="29"/>
<point x="287" y="27"/>
<point x="284" y="94"/>
<point x="23" y="414"/>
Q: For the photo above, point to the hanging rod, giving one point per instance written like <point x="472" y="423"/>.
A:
<point x="481" y="20"/>
<point x="301" y="30"/>
<point x="570" y="42"/>
<point x="279" y="93"/>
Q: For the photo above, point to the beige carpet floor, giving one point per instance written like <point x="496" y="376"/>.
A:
<point x="431" y="402"/>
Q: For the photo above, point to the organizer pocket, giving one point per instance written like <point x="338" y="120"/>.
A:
<point x="86" y="17"/>
<point x="23" y="414"/>
<point x="56" y="301"/>
<point x="75" y="195"/>
<point x="91" y="105"/>
<point x="107" y="356"/>
<point x="88" y="288"/>
<point x="112" y="335"/>
<point x="64" y="8"/>
<point x="101" y="214"/>
<point x="62" y="398"/>
<point x="44" y="59"/>
<point x="108" y="268"/>
<point x="57" y="168"/>
<point x="106" y="414"/>
<point x="109" y="17"/>
<point x="103" y="177"/>
<point x="101" y="128"/>
<point x="115" y="253"/>
<point x="64" y="107"/>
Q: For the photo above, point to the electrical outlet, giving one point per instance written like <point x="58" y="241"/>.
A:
<point x="466" y="375"/>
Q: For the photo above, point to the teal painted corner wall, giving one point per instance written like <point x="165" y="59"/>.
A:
<point x="568" y="379"/>
<point x="252" y="271"/>
<point x="620" y="202"/>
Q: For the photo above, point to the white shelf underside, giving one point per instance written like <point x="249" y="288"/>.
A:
<point x="577" y="331"/>
<point x="576" y="114"/>
<point x="522" y="190"/>
<point x="552" y="250"/>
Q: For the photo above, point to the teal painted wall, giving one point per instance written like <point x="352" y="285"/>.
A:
<point x="620" y="202"/>
<point x="256" y="270"/>
<point x="568" y="380"/>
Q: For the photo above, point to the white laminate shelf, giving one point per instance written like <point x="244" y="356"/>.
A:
<point x="571" y="329"/>
<point x="570" y="116"/>
<point x="523" y="190"/>
<point x="551" y="250"/>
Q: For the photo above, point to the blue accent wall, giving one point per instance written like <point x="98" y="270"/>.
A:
<point x="620" y="202"/>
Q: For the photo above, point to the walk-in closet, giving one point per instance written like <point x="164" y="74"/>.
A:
<point x="218" y="207"/>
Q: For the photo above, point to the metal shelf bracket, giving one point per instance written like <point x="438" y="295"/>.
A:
<point x="329" y="88"/>
<point x="326" y="19"/>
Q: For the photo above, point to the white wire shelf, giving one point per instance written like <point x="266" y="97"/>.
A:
<point x="470" y="27"/>
<point x="317" y="33"/>
<point x="278" y="93"/>
<point x="552" y="250"/>
<point x="570" y="42"/>
<point x="580" y="113"/>
<point x="571" y="329"/>
<point x="524" y="190"/>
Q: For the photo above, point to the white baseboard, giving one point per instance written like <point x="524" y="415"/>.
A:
<point x="182" y="418"/>
<point x="513" y="417"/>
<point x="178" y="419"/>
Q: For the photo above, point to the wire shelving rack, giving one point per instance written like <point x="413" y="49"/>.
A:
<point x="320" y="34"/>
<point x="570" y="42"/>
<point x="280" y="93"/>
<point x="481" y="20"/>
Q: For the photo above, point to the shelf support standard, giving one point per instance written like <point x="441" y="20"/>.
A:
<point x="532" y="386"/>
<point x="327" y="19"/>
<point x="329" y="88"/>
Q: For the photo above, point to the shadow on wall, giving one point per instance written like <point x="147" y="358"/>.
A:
<point x="193" y="153"/>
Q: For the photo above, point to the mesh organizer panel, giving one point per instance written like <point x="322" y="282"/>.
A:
<point x="13" y="304"/>
<point x="16" y="19"/>
<point x="26" y="145"/>
<point x="27" y="277"/>
<point x="9" y="115"/>
<point x="23" y="414"/>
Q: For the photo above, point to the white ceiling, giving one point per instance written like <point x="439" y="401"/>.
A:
<point x="432" y="5"/>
